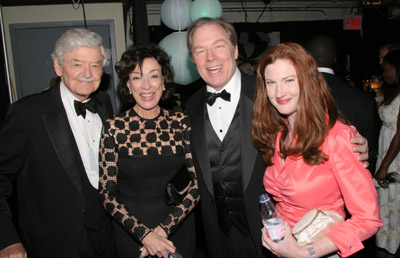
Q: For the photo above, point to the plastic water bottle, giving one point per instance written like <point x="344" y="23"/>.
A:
<point x="274" y="225"/>
<point x="175" y="255"/>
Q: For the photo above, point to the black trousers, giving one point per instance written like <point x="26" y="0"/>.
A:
<point x="236" y="245"/>
<point x="98" y="244"/>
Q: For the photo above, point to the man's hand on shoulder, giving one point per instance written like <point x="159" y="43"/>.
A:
<point x="13" y="251"/>
<point x="361" y="146"/>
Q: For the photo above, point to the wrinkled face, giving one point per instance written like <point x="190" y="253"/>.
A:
<point x="283" y="88"/>
<point x="389" y="73"/>
<point x="81" y="71"/>
<point x="146" y="87"/>
<point x="214" y="55"/>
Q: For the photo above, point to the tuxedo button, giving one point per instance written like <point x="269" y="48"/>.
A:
<point x="227" y="199"/>
<point x="231" y="213"/>
<point x="212" y="202"/>
<point x="83" y="211"/>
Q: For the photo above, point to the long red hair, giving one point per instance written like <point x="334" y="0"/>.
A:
<point x="316" y="111"/>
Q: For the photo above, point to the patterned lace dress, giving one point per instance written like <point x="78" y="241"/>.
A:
<point x="137" y="159"/>
<point x="388" y="237"/>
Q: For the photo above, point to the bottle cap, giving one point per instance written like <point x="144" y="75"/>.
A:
<point x="263" y="198"/>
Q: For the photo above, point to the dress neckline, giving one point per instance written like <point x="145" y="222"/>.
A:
<point x="148" y="119"/>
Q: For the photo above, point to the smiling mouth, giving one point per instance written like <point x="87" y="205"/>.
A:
<point x="86" y="79"/>
<point x="214" y="69"/>
<point x="283" y="101"/>
<point x="146" y="95"/>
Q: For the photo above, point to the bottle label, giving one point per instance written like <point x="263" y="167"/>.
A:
<point x="275" y="228"/>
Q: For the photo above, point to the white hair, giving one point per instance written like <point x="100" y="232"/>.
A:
<point x="79" y="37"/>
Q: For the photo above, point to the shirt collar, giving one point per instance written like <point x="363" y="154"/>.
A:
<point x="68" y="99"/>
<point x="233" y="86"/>
<point x="326" y="70"/>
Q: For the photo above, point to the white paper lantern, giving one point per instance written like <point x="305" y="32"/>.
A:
<point x="184" y="69"/>
<point x="205" y="8"/>
<point x="175" y="14"/>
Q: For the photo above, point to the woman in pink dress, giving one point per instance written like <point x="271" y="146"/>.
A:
<point x="306" y="144"/>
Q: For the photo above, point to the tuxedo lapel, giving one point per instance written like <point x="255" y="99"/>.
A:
<point x="198" y="120"/>
<point x="101" y="108"/>
<point x="59" y="130"/>
<point x="248" y="151"/>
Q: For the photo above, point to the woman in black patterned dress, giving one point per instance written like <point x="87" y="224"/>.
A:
<point x="140" y="151"/>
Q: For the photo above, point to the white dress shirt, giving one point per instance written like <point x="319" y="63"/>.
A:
<point x="87" y="132"/>
<point x="222" y="112"/>
<point x="326" y="70"/>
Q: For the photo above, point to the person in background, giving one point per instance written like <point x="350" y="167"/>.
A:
<point x="385" y="91"/>
<point x="357" y="106"/>
<point x="388" y="160"/>
<point x="386" y="48"/>
<point x="229" y="167"/>
<point x="141" y="150"/>
<point x="49" y="145"/>
<point x="306" y="144"/>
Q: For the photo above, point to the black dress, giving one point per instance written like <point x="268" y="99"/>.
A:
<point x="137" y="159"/>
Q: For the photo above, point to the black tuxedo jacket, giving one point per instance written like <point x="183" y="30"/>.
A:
<point x="360" y="109"/>
<point x="253" y="167"/>
<point x="38" y="149"/>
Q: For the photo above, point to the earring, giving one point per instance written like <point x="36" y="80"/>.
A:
<point x="163" y="88"/>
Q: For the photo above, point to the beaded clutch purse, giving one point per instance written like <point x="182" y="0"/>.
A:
<point x="314" y="224"/>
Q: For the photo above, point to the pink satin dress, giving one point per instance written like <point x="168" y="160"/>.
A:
<point x="340" y="182"/>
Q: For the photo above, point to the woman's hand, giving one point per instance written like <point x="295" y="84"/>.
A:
<point x="380" y="177"/>
<point x="159" y="231"/>
<point x="156" y="245"/>
<point x="288" y="247"/>
<point x="379" y="97"/>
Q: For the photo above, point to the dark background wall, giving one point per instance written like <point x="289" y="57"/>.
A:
<point x="361" y="45"/>
<point x="4" y="96"/>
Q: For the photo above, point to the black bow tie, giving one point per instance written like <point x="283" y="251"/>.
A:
<point x="211" y="97"/>
<point x="80" y="108"/>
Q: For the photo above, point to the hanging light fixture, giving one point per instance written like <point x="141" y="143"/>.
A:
<point x="185" y="70"/>
<point x="205" y="8"/>
<point x="175" y="14"/>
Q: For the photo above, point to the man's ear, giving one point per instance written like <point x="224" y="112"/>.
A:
<point x="57" y="67"/>
<point x="236" y="52"/>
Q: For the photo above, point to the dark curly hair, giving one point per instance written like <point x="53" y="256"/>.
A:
<point x="134" y="56"/>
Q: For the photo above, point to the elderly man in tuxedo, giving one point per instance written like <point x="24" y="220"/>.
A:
<point x="49" y="146"/>
<point x="230" y="169"/>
